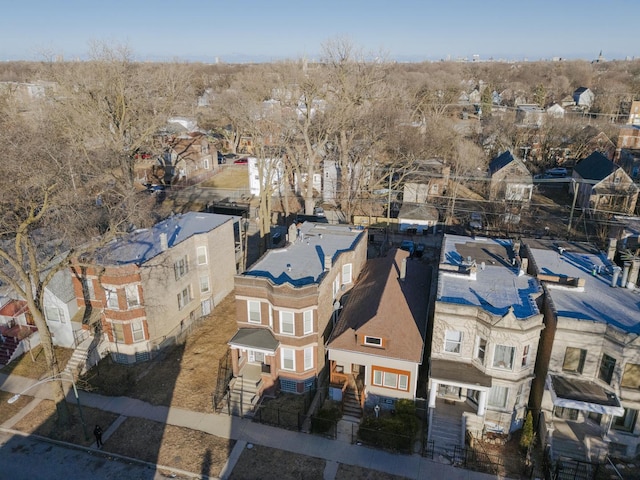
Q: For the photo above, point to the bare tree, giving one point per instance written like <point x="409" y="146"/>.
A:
<point x="47" y="217"/>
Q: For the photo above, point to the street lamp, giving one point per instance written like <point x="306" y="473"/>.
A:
<point x="51" y="379"/>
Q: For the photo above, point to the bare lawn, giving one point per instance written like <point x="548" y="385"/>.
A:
<point x="271" y="464"/>
<point x="184" y="376"/>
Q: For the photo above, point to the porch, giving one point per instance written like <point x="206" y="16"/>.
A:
<point x="577" y="440"/>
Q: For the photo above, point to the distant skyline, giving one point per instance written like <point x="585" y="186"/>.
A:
<point x="257" y="31"/>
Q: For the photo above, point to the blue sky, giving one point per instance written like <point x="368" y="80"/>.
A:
<point x="254" y="30"/>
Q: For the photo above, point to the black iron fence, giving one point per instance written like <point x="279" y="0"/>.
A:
<point x="225" y="373"/>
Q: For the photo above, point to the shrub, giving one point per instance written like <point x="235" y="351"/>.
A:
<point x="326" y="417"/>
<point x="526" y="437"/>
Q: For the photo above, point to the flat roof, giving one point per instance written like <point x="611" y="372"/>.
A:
<point x="459" y="372"/>
<point x="302" y="261"/>
<point x="142" y="245"/>
<point x="597" y="301"/>
<point x="498" y="284"/>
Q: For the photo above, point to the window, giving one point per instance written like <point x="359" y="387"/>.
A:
<point x="607" y="365"/>
<point x="498" y="396"/>
<point x="627" y="421"/>
<point x="519" y="394"/>
<point x="54" y="314"/>
<point x="112" y="298"/>
<point x="184" y="297"/>
<point x="525" y="356"/>
<point x="254" y="311"/>
<point x="137" y="331"/>
<point x="205" y="164"/>
<point x="202" y="255"/>
<point x="574" y="359"/>
<point x="288" y="357"/>
<point x="616" y="180"/>
<point x="118" y="332"/>
<point x="452" y="341"/>
<point x="374" y="341"/>
<point x="481" y="347"/>
<point x="308" y="358"/>
<point x="90" y="291"/>
<point x="204" y="283"/>
<point x="133" y="297"/>
<point x="181" y="267"/>
<point x="503" y="357"/>
<point x="308" y="321"/>
<point x="396" y="380"/>
<point x="336" y="286"/>
<point x="631" y="376"/>
<point x="346" y="273"/>
<point x="287" y="324"/>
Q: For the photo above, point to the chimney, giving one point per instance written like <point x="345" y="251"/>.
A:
<point x="611" y="252"/>
<point x="164" y="242"/>
<point x="403" y="269"/>
<point x="614" y="277"/>
<point x="633" y="274"/>
<point x="327" y="263"/>
<point x="625" y="273"/>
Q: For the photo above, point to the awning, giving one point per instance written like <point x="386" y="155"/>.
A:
<point x="583" y="395"/>
<point x="459" y="374"/>
<point x="260" y="339"/>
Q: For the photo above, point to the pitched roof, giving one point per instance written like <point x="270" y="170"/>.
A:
<point x="142" y="245"/>
<point x="595" y="167"/>
<point x="418" y="211"/>
<point x="385" y="306"/>
<point x="501" y="161"/>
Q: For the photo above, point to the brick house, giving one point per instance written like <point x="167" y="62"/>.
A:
<point x="153" y="283"/>
<point x="286" y="302"/>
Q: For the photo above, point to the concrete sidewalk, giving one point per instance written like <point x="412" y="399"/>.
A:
<point x="245" y="431"/>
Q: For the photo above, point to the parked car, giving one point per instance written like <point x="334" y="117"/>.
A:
<point x="221" y="159"/>
<point x="318" y="211"/>
<point x="408" y="246"/>
<point x="557" y="172"/>
<point x="155" y="188"/>
<point x="476" y="221"/>
<point x="241" y="161"/>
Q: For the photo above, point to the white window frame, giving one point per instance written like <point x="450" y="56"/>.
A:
<point x="525" y="356"/>
<point x="114" y="332"/>
<point x="202" y="257"/>
<point x="205" y="287"/>
<point x="497" y="360"/>
<point x="308" y="358"/>
<point x="377" y="377"/>
<point x="347" y="273"/>
<point x="90" y="288"/>
<point x="452" y="344"/>
<point x="307" y="317"/>
<point x="250" y="310"/>
<point x="496" y="394"/>
<point x="481" y="346"/>
<point x="336" y="286"/>
<point x="133" y="295"/>
<point x="288" y="355"/>
<point x="287" y="317"/>
<point x="373" y="341"/>
<point x="390" y="380"/>
<point x="205" y="164"/>
<point x="57" y="312"/>
<point x="137" y="331"/>
<point x="403" y="380"/>
<point x="112" y="298"/>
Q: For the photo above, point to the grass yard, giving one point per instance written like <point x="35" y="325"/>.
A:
<point x="33" y="364"/>
<point x="42" y="421"/>
<point x="9" y="410"/>
<point x="267" y="463"/>
<point x="171" y="446"/>
<point x="230" y="176"/>
<point x="185" y="376"/>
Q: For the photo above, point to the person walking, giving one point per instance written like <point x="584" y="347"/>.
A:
<point x="97" y="432"/>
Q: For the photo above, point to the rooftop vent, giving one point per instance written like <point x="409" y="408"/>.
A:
<point x="288" y="267"/>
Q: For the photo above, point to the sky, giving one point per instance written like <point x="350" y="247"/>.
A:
<point x="234" y="31"/>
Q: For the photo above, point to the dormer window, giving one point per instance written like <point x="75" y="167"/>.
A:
<point x="373" y="341"/>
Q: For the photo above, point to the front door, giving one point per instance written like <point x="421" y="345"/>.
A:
<point x="256" y="357"/>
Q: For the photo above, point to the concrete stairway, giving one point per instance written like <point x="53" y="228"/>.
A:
<point x="446" y="433"/>
<point x="242" y="397"/>
<point x="77" y="363"/>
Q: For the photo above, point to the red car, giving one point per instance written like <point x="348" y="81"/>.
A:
<point x="241" y="161"/>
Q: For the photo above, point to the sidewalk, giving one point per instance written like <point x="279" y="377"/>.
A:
<point x="245" y="431"/>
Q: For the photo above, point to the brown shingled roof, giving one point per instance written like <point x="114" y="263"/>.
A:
<point x="382" y="305"/>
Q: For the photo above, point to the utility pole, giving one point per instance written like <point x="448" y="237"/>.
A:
<point x="389" y="200"/>
<point x="573" y="205"/>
